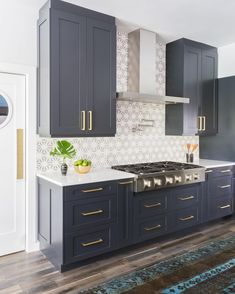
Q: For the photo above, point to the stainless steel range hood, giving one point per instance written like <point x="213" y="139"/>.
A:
<point x="142" y="71"/>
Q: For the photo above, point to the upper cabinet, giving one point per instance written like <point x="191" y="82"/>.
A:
<point x="191" y="71"/>
<point x="76" y="72"/>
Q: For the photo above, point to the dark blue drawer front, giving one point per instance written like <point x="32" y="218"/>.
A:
<point x="150" y="204"/>
<point x="185" y="196"/>
<point x="80" y="245"/>
<point x="184" y="218"/>
<point x="89" y="212"/>
<point x="90" y="190"/>
<point x="220" y="187"/>
<point x="150" y="228"/>
<point x="220" y="207"/>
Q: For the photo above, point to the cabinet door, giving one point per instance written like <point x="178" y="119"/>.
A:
<point x="68" y="73"/>
<point x="101" y="78"/>
<point x="125" y="212"/>
<point x="209" y="91"/>
<point x="192" y="88"/>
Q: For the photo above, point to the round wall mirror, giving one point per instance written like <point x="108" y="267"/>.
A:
<point x="5" y="110"/>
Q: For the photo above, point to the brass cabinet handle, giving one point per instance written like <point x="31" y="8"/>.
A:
<point x="83" y="120"/>
<point x="187" y="218"/>
<point x="152" y="205"/>
<point x="92" y="212"/>
<point x="20" y="154"/>
<point x="93" y="243"/>
<point x="224" y="187"/>
<point x="153" y="228"/>
<point x="225" y="206"/>
<point x="125" y="183"/>
<point x="93" y="190"/>
<point x="225" y="171"/>
<point x="199" y="123"/>
<point x="204" y="124"/>
<point x="90" y="120"/>
<point x="186" y="198"/>
<point x="209" y="171"/>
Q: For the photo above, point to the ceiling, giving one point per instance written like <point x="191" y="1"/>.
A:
<point x="207" y="21"/>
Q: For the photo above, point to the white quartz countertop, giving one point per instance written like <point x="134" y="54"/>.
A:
<point x="95" y="175"/>
<point x="208" y="163"/>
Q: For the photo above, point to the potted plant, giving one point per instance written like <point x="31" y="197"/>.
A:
<point x="65" y="150"/>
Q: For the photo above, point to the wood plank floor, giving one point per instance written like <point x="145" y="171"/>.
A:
<point x="33" y="273"/>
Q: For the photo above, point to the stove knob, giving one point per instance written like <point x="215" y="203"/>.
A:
<point x="196" y="176"/>
<point x="169" y="180"/>
<point x="147" y="183"/>
<point x="188" y="178"/>
<point x="157" y="182"/>
<point x="178" y="179"/>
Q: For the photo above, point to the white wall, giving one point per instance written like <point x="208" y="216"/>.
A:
<point x="18" y="31"/>
<point x="226" y="61"/>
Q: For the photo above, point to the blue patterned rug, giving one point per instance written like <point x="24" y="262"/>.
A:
<point x="209" y="269"/>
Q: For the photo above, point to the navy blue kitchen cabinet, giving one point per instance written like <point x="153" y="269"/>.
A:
<point x="218" y="195"/>
<point x="191" y="71"/>
<point x="76" y="71"/>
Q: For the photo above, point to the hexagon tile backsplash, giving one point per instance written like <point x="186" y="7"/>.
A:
<point x="127" y="146"/>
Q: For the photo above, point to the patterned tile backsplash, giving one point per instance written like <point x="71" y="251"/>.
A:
<point x="127" y="146"/>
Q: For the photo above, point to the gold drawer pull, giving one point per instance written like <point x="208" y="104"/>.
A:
<point x="93" y="190"/>
<point x="153" y="228"/>
<point x="224" y="187"/>
<point x="152" y="205"/>
<point x="186" y="198"/>
<point x="209" y="171"/>
<point x="125" y="183"/>
<point x="93" y="243"/>
<point x="90" y="120"/>
<point x="83" y="120"/>
<point x="187" y="218"/>
<point x="225" y="171"/>
<point x="225" y="206"/>
<point x="92" y="212"/>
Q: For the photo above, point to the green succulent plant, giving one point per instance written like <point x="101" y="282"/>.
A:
<point x="63" y="149"/>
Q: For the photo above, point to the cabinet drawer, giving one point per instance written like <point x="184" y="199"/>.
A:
<point x="150" y="228"/>
<point x="86" y="191"/>
<point x="150" y="205"/>
<point x="184" y="218"/>
<point x="220" y="207"/>
<point x="91" y="211"/>
<point x="220" y="186"/>
<point x="184" y="197"/>
<point x="220" y="171"/>
<point x="80" y="245"/>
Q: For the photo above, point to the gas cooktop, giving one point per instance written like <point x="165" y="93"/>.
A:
<point x="155" y="175"/>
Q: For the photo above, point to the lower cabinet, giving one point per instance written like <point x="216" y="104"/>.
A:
<point x="80" y="222"/>
<point x="218" y="193"/>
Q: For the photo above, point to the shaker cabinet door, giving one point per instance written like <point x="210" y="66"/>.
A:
<point x="68" y="68"/>
<point x="101" y="78"/>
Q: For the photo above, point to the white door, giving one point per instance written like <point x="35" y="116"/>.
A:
<point x="12" y="165"/>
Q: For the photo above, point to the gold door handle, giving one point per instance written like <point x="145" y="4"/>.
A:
<point x="152" y="205"/>
<point x="20" y="154"/>
<point x="153" y="228"/>
<point x="225" y="206"/>
<point x="125" y="183"/>
<point x="224" y="187"/>
<point x="92" y="190"/>
<point x="204" y="123"/>
<point x="92" y="212"/>
<point x="83" y="120"/>
<point x="225" y="171"/>
<point x="199" y="123"/>
<point x="93" y="243"/>
<point x="186" y="198"/>
<point x="187" y="218"/>
<point x="90" y="120"/>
